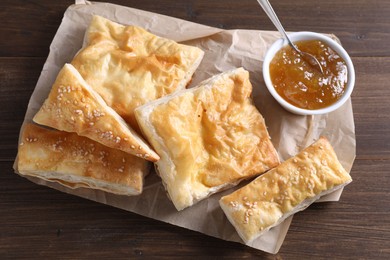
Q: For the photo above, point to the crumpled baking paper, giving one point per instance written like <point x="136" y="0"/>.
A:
<point x="224" y="50"/>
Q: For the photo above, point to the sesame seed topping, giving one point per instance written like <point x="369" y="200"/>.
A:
<point x="146" y="155"/>
<point x="264" y="193"/>
<point x="233" y="203"/>
<point x="139" y="147"/>
<point x="91" y="123"/>
<point x="21" y="143"/>
<point x="83" y="99"/>
<point x="295" y="160"/>
<point x="78" y="111"/>
<point x="245" y="198"/>
<point x="321" y="148"/>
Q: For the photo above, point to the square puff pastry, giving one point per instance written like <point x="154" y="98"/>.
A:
<point x="73" y="106"/>
<point x="76" y="161"/>
<point x="129" y="66"/>
<point x="285" y="190"/>
<point x="209" y="138"/>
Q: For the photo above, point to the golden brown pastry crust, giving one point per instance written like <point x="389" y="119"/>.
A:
<point x="129" y="66"/>
<point x="73" y="106"/>
<point x="284" y="190"/>
<point x="76" y="161"/>
<point x="209" y="138"/>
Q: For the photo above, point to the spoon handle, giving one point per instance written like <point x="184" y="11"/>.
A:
<point x="274" y="18"/>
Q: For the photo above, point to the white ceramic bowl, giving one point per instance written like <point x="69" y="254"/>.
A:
<point x="300" y="36"/>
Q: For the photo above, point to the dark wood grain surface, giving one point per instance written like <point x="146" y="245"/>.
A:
<point x="38" y="222"/>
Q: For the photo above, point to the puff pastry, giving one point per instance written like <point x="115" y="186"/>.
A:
<point x="209" y="138"/>
<point x="76" y="161"/>
<point x="129" y="66"/>
<point x="285" y="190"/>
<point x="73" y="106"/>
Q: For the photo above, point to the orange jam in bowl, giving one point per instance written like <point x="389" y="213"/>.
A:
<point x="302" y="89"/>
<point x="301" y="84"/>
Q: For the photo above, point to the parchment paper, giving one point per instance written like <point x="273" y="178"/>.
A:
<point x="224" y="50"/>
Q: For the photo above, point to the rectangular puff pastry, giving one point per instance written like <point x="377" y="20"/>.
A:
<point x="76" y="161"/>
<point x="129" y="66"/>
<point x="285" y="190"/>
<point x="73" y="106"/>
<point x="209" y="138"/>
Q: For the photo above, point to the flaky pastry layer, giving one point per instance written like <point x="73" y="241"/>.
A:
<point x="285" y="190"/>
<point x="129" y="66"/>
<point x="73" y="106"/>
<point x="76" y="161"/>
<point x="209" y="138"/>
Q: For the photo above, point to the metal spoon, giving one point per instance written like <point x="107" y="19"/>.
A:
<point x="275" y="20"/>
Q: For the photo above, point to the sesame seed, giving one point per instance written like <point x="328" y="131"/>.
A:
<point x="78" y="111"/>
<point x="264" y="193"/>
<point x="245" y="198"/>
<point x="132" y="147"/>
<point x="321" y="148"/>
<point x="139" y="147"/>
<point x="21" y="143"/>
<point x="233" y="203"/>
<point x="83" y="99"/>
<point x="295" y="160"/>
<point x="146" y="155"/>
<point x="91" y="123"/>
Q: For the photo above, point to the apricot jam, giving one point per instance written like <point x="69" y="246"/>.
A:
<point x="303" y="86"/>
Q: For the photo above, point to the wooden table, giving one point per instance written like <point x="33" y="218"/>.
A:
<point x="40" y="222"/>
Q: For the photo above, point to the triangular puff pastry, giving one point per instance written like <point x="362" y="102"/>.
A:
<point x="73" y="106"/>
<point x="285" y="190"/>
<point x="129" y="66"/>
<point x="209" y="138"/>
<point x="76" y="161"/>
